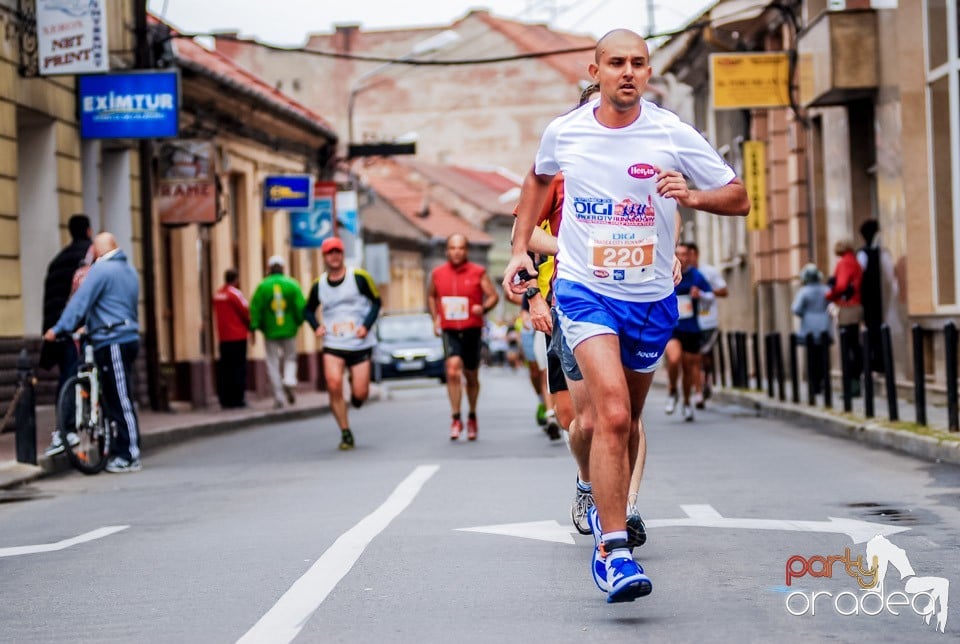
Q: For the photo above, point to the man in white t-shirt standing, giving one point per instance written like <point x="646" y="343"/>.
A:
<point x="625" y="163"/>
<point x="709" y="320"/>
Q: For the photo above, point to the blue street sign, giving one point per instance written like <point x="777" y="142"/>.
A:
<point x="309" y="228"/>
<point x="129" y="105"/>
<point x="288" y="192"/>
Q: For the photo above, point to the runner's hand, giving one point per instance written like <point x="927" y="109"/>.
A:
<point x="672" y="185"/>
<point x="362" y="332"/>
<point x="476" y="309"/>
<point x="540" y="316"/>
<point x="321" y="331"/>
<point x="512" y="278"/>
<point x="694" y="292"/>
<point x="677" y="270"/>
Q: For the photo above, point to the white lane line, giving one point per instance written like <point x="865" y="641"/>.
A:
<point x="700" y="512"/>
<point x="99" y="533"/>
<point x="289" y="615"/>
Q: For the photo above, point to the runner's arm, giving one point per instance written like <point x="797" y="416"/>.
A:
<point x="490" y="296"/>
<point x="730" y="199"/>
<point x="532" y="195"/>
<point x="432" y="304"/>
<point x="313" y="302"/>
<point x="369" y="289"/>
<point x="543" y="242"/>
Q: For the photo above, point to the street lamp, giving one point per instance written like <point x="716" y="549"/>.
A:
<point x="434" y="43"/>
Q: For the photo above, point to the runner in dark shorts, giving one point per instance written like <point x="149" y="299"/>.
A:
<point x="465" y="344"/>
<point x="689" y="340"/>
<point x="350" y="358"/>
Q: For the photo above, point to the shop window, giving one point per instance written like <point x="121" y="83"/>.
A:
<point x="943" y="103"/>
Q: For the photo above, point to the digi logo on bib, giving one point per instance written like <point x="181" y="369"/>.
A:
<point x="593" y="210"/>
<point x="641" y="171"/>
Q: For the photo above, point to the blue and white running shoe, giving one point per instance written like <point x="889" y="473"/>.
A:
<point x="623" y="580"/>
<point x="626" y="581"/>
<point x="598" y="566"/>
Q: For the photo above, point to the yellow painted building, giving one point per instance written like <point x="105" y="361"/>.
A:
<point x="47" y="174"/>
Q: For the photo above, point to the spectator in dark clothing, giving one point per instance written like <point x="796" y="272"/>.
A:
<point x="233" y="321"/>
<point x="871" y="291"/>
<point x="56" y="292"/>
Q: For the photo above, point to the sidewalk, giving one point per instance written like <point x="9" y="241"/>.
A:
<point x="163" y="428"/>
<point x="931" y="442"/>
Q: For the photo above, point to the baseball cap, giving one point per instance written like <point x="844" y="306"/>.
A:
<point x="276" y="260"/>
<point x="331" y="244"/>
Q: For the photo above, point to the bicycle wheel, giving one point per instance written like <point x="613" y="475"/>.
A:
<point x="90" y="444"/>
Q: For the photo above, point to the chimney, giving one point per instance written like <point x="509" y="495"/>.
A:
<point x="345" y="37"/>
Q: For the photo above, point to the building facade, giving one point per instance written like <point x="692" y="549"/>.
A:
<point x="48" y="173"/>
<point x="255" y="131"/>
<point x="872" y="134"/>
<point x="472" y="115"/>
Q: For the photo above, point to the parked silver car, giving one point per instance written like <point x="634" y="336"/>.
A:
<point x="407" y="348"/>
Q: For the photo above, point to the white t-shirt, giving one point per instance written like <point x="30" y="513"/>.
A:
<point x="708" y="318"/>
<point x="618" y="233"/>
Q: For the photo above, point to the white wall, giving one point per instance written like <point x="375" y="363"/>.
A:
<point x="90" y="168"/>
<point x="39" y="212"/>
<point x="115" y="186"/>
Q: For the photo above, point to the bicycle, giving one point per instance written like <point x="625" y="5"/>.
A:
<point x="80" y="413"/>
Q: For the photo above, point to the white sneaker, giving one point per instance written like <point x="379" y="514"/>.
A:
<point x="57" y="446"/>
<point x="120" y="465"/>
<point x="688" y="413"/>
<point x="671" y="405"/>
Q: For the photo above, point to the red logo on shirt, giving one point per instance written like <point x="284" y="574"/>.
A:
<point x="641" y="171"/>
<point x="601" y="273"/>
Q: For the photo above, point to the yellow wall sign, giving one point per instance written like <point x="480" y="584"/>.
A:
<point x="750" y="80"/>
<point x="755" y="181"/>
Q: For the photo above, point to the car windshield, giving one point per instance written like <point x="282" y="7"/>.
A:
<point x="405" y="327"/>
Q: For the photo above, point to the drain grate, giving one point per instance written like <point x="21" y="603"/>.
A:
<point x="885" y="511"/>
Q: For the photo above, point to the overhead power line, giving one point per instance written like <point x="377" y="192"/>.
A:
<point x="422" y="63"/>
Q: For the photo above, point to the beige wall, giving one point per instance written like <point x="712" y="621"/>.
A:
<point x="406" y="291"/>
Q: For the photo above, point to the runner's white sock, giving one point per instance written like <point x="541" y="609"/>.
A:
<point x="584" y="485"/>
<point x="619" y="553"/>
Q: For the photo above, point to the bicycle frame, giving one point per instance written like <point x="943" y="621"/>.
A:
<point x="88" y="371"/>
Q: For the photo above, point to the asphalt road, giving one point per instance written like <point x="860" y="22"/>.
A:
<point x="271" y="534"/>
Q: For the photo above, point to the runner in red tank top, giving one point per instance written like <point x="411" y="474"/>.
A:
<point x="459" y="295"/>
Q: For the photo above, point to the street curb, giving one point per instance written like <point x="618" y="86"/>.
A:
<point x="865" y="431"/>
<point x="14" y="474"/>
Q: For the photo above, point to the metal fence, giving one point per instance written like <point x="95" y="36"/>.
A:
<point x="740" y="357"/>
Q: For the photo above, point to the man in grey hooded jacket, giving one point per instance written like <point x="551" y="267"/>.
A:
<point x="106" y="304"/>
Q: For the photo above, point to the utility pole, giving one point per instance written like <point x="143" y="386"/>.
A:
<point x="651" y="18"/>
<point x="143" y="59"/>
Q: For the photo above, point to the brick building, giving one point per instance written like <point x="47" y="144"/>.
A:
<point x="467" y="115"/>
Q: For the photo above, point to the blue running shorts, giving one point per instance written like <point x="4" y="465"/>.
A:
<point x="644" y="328"/>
